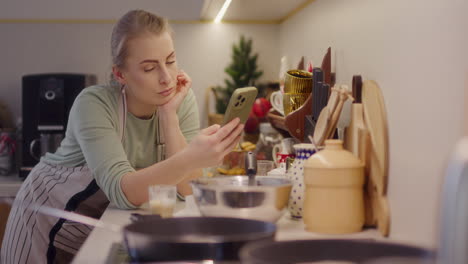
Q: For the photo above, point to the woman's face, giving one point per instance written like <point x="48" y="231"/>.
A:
<point x="150" y="70"/>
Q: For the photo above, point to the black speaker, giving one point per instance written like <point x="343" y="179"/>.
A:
<point x="46" y="103"/>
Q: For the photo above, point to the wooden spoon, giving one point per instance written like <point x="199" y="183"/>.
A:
<point x="321" y="127"/>
<point x="344" y="94"/>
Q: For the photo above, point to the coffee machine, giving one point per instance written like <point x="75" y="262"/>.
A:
<point x="46" y="103"/>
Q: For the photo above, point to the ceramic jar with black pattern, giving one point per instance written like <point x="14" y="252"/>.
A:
<point x="296" y="175"/>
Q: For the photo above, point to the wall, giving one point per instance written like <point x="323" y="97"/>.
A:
<point x="465" y="113"/>
<point x="203" y="51"/>
<point x="416" y="51"/>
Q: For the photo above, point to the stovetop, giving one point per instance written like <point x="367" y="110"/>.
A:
<point x="118" y="255"/>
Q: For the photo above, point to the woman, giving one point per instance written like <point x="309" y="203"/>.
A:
<point x="120" y="139"/>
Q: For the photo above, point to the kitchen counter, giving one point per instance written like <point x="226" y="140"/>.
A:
<point x="9" y="185"/>
<point x="98" y="245"/>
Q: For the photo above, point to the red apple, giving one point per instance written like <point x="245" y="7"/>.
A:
<point x="261" y="107"/>
<point x="251" y="125"/>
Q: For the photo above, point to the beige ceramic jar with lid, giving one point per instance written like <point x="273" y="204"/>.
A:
<point x="334" y="199"/>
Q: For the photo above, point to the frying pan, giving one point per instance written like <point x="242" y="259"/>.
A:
<point x="348" y="251"/>
<point x="151" y="238"/>
<point x="192" y="238"/>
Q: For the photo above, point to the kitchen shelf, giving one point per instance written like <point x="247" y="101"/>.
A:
<point x="277" y="122"/>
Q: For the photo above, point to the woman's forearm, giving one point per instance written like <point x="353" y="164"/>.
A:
<point x="184" y="187"/>
<point x="173" y="137"/>
<point x="170" y="171"/>
<point x="206" y="149"/>
<point x="175" y="142"/>
<point x="174" y="170"/>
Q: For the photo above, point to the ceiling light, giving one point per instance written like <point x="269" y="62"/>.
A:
<point x="222" y="11"/>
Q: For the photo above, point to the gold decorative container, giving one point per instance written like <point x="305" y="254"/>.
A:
<point x="334" y="199"/>
<point x="297" y="82"/>
<point x="292" y="102"/>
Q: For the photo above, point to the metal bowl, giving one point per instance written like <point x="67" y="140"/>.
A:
<point x="234" y="197"/>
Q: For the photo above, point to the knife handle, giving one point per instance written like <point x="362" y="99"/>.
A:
<point x="317" y="78"/>
<point x="317" y="75"/>
<point x="357" y="89"/>
<point x="316" y="100"/>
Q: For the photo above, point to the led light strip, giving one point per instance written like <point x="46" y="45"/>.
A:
<point x="222" y="11"/>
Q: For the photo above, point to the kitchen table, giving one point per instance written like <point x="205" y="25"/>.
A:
<point x="97" y="247"/>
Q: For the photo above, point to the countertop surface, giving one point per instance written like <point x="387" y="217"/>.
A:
<point x="97" y="247"/>
<point x="9" y="185"/>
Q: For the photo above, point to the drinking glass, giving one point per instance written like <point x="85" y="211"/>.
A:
<point x="264" y="166"/>
<point x="162" y="200"/>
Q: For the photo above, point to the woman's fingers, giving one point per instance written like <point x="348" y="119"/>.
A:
<point x="187" y="79"/>
<point x="231" y="146"/>
<point x="214" y="142"/>
<point x="182" y="88"/>
<point x="227" y="129"/>
<point x="184" y="82"/>
<point x="232" y="136"/>
<point x="210" y="130"/>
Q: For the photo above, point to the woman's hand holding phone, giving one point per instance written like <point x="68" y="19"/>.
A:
<point x="210" y="146"/>
<point x="215" y="142"/>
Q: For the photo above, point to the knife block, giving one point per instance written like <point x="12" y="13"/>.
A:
<point x="295" y="121"/>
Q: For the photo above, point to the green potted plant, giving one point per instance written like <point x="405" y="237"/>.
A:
<point x="243" y="71"/>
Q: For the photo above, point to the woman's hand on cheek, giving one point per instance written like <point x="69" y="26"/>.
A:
<point x="184" y="82"/>
<point x="210" y="146"/>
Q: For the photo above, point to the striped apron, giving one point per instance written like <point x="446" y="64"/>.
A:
<point x="32" y="237"/>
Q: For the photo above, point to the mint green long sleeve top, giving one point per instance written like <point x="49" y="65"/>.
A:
<point x="92" y="138"/>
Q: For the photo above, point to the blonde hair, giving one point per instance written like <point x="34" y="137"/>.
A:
<point x="134" y="24"/>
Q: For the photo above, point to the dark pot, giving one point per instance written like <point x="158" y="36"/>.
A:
<point x="355" y="251"/>
<point x="193" y="238"/>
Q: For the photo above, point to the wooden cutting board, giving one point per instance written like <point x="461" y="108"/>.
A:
<point x="375" y="119"/>
<point x="377" y="208"/>
<point x="351" y="133"/>
<point x="361" y="139"/>
<point x="357" y="118"/>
